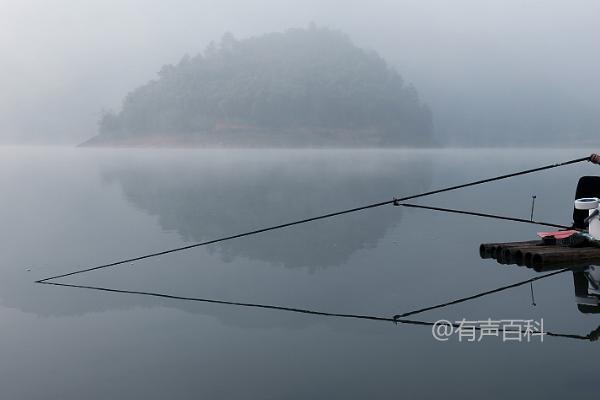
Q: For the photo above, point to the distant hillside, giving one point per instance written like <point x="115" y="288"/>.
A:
<point x="304" y="87"/>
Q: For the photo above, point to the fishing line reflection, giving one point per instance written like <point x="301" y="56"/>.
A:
<point x="593" y="336"/>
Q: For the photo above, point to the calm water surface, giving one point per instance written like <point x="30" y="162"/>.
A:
<point x="64" y="209"/>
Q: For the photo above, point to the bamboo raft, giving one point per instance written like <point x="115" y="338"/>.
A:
<point x="534" y="254"/>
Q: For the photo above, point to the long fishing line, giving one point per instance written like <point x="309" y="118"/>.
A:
<point x="484" y="215"/>
<point x="592" y="158"/>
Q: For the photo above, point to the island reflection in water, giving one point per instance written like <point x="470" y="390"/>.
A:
<point x="199" y="196"/>
<point x="208" y="202"/>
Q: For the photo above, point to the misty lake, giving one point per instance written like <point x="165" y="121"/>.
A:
<point x="64" y="209"/>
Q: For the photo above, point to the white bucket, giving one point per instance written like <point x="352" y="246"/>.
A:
<point x="591" y="204"/>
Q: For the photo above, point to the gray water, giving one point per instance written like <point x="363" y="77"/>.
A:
<point x="65" y="209"/>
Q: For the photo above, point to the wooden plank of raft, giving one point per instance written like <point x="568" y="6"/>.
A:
<point x="535" y="255"/>
<point x="576" y="256"/>
<point x="516" y="255"/>
<point x="489" y="250"/>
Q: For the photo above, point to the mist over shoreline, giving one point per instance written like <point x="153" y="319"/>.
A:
<point x="493" y="74"/>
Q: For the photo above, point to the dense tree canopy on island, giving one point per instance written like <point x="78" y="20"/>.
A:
<point x="301" y="87"/>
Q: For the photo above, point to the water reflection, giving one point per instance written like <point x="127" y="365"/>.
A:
<point x="201" y="198"/>
<point x="397" y="319"/>
<point x="59" y="215"/>
<point x="201" y="202"/>
<point x="206" y="198"/>
<point x="586" y="282"/>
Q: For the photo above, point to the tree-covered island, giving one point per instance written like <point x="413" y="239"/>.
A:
<point x="301" y="88"/>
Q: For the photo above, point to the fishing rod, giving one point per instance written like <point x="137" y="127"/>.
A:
<point x="478" y="214"/>
<point x="594" y="158"/>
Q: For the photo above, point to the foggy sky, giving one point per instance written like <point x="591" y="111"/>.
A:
<point x="483" y="66"/>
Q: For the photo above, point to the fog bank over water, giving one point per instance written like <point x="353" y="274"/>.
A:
<point x="495" y="72"/>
